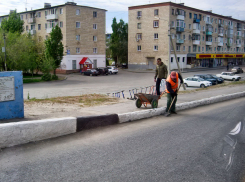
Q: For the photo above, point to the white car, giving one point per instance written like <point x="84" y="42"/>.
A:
<point x="112" y="69"/>
<point x="228" y="76"/>
<point x="196" y="82"/>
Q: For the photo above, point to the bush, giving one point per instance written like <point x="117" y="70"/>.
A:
<point x="46" y="77"/>
<point x="55" y="77"/>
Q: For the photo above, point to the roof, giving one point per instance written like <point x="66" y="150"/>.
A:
<point x="84" y="59"/>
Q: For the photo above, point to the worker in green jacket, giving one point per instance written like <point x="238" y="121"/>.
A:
<point x="161" y="73"/>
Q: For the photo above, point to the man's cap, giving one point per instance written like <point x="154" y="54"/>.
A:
<point x="173" y="74"/>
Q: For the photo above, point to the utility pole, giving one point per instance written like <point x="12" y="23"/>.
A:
<point x="4" y="38"/>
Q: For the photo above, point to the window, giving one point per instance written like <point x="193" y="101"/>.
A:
<point x="215" y="30"/>
<point x="212" y="20"/>
<point x="178" y="48"/>
<point x="202" y="49"/>
<point x="184" y="36"/>
<point x="139" y="48"/>
<point x="32" y="27"/>
<point x="172" y="59"/>
<point x="155" y="35"/>
<point x="139" y="13"/>
<point x="215" y="49"/>
<point x="94" y="14"/>
<point x="203" y="38"/>
<point x="26" y="16"/>
<point x="95" y="38"/>
<point x="183" y="48"/>
<point x="190" y="15"/>
<point x="46" y="13"/>
<point x="77" y="24"/>
<point x="172" y="11"/>
<point x="74" y="64"/>
<point x="200" y="17"/>
<point x="183" y="59"/>
<point x="21" y="17"/>
<point x="195" y="16"/>
<point x="155" y="47"/>
<point x="189" y="49"/>
<point x="78" y="12"/>
<point x="190" y="26"/>
<point x="199" y="49"/>
<point x="156" y="12"/>
<point x="39" y="26"/>
<point x="139" y="25"/>
<point x="61" y="10"/>
<point x="194" y="48"/>
<point x="178" y="59"/>
<point x="203" y="28"/>
<point x="189" y="37"/>
<point x="156" y="23"/>
<point x="94" y="50"/>
<point x="46" y="26"/>
<point x="61" y="24"/>
<point x="203" y="18"/>
<point x="26" y="27"/>
<point x="46" y="37"/>
<point x="216" y="21"/>
<point x="172" y="24"/>
<point x="139" y="36"/>
<point x="78" y="37"/>
<point x="95" y="26"/>
<point x="39" y="14"/>
<point x="77" y="50"/>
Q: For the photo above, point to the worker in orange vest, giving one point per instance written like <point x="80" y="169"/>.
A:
<point x="172" y="85"/>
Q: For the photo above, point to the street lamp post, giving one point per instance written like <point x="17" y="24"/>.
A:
<point x="4" y="38"/>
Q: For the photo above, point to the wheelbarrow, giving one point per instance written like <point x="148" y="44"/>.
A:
<point x="146" y="99"/>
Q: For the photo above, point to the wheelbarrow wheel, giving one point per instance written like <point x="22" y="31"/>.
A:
<point x="154" y="103"/>
<point x="138" y="103"/>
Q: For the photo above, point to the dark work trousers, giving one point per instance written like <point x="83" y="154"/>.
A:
<point x="169" y="101"/>
<point x="158" y="85"/>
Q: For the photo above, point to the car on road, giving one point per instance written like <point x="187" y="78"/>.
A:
<point x="229" y="76"/>
<point x="207" y="78"/>
<point x="219" y="80"/>
<point x="237" y="69"/>
<point x="91" y="72"/>
<point x="102" y="70"/>
<point x="112" y="69"/>
<point x="196" y="82"/>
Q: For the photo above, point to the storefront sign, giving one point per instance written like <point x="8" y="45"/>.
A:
<point x="7" y="91"/>
<point x="209" y="56"/>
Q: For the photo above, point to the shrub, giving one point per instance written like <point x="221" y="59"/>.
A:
<point x="55" y="77"/>
<point x="46" y="77"/>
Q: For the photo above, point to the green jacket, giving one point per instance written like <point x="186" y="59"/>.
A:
<point x="161" y="71"/>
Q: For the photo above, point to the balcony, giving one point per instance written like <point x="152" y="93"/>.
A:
<point x="229" y="44"/>
<point x="208" y="23"/>
<point x="208" y="32"/>
<point x="239" y="28"/>
<point x="31" y="20"/>
<point x="32" y="32"/>
<point x="238" y="37"/>
<point x="180" y="17"/>
<point x="221" y="25"/>
<point x="209" y="43"/>
<point x="179" y="41"/>
<point x="220" y="44"/>
<point x="196" y="28"/>
<point x="238" y="45"/>
<point x="48" y="30"/>
<point x="221" y="34"/>
<point x="196" y="42"/>
<point x="52" y="17"/>
<point x="196" y="20"/>
<point x="180" y="29"/>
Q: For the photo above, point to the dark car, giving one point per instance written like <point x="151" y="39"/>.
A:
<point x="103" y="71"/>
<point x="207" y="78"/>
<point x="237" y="69"/>
<point x="91" y="72"/>
<point x="220" y="80"/>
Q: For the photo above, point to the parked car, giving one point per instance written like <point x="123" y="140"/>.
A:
<point x="103" y="71"/>
<point x="125" y="65"/>
<point x="237" y="69"/>
<point x="219" y="80"/>
<point x="91" y="72"/>
<point x="228" y="76"/>
<point x="207" y="78"/>
<point x="196" y="82"/>
<point x="112" y="69"/>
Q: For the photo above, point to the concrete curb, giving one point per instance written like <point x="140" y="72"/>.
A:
<point x="132" y="116"/>
<point x="29" y="131"/>
<point x="89" y="122"/>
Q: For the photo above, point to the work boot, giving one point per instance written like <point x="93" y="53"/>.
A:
<point x="173" y="112"/>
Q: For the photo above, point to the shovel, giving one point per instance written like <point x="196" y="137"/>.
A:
<point x="168" y="113"/>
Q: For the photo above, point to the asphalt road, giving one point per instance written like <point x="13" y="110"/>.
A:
<point x="189" y="146"/>
<point x="77" y="84"/>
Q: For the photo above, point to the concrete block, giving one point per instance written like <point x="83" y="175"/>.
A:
<point x="28" y="131"/>
<point x="89" y="122"/>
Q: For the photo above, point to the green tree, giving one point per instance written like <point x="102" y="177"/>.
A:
<point x="54" y="47"/>
<point x="119" y="41"/>
<point x="13" y="23"/>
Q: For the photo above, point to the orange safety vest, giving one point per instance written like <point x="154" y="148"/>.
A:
<point x="174" y="85"/>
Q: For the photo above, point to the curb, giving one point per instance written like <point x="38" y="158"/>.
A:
<point x="17" y="133"/>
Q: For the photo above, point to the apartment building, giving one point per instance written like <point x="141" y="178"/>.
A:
<point x="200" y="38"/>
<point x="83" y="30"/>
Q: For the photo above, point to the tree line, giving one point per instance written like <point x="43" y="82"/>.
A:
<point x="27" y="52"/>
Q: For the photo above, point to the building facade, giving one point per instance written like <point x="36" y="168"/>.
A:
<point x="83" y="30"/>
<point x="200" y="38"/>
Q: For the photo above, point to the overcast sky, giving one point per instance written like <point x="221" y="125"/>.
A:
<point x="119" y="8"/>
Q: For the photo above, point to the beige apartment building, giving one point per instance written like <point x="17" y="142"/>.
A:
<point x="83" y="30"/>
<point x="200" y="38"/>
